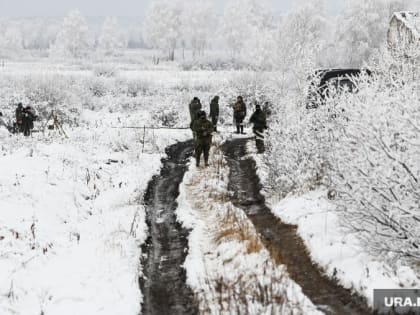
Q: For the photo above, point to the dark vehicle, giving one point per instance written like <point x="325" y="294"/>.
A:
<point x="324" y="81"/>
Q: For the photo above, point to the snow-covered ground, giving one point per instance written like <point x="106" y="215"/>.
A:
<point x="72" y="223"/>
<point x="71" y="220"/>
<point x="228" y="267"/>
<point x="337" y="251"/>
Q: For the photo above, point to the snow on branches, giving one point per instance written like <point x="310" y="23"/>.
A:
<point x="364" y="146"/>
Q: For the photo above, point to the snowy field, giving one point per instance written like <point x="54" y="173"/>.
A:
<point x="72" y="221"/>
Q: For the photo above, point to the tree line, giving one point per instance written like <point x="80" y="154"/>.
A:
<point x="243" y="29"/>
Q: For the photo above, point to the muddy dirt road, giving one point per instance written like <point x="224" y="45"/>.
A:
<point x="282" y="239"/>
<point x="163" y="286"/>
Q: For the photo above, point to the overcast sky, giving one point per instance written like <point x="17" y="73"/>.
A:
<point x="31" y="8"/>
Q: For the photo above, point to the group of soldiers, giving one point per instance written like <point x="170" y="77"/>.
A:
<point x="25" y="117"/>
<point x="203" y="128"/>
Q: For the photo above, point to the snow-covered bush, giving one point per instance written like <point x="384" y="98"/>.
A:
<point x="376" y="168"/>
<point x="137" y="87"/>
<point x="48" y="90"/>
<point x="105" y="70"/>
<point x="44" y="93"/>
<point x="166" y="117"/>
<point x="98" y="87"/>
<point x="296" y="148"/>
<point x="215" y="63"/>
<point x="365" y="147"/>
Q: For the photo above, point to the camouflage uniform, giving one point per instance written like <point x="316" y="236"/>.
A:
<point x="239" y="114"/>
<point x="259" y="119"/>
<point x="214" y="111"/>
<point x="19" y="116"/>
<point x="195" y="107"/>
<point x="28" y="117"/>
<point x="202" y="129"/>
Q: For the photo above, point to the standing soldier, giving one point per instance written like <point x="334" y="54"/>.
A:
<point x="203" y="130"/>
<point x="19" y="116"/>
<point x="259" y="119"/>
<point x="28" y="117"/>
<point x="195" y="107"/>
<point x="214" y="111"/>
<point x="239" y="113"/>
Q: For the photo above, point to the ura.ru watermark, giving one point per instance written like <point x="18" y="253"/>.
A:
<point x="396" y="301"/>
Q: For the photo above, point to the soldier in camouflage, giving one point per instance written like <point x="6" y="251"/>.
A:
<point x="28" y="117"/>
<point x="195" y="107"/>
<point x="214" y="111"/>
<point x="19" y="116"/>
<point x="203" y="130"/>
<point x="259" y="119"/>
<point x="239" y="114"/>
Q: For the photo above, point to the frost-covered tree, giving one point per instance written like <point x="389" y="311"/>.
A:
<point x="242" y="20"/>
<point x="375" y="158"/>
<point x="73" y="39"/>
<point x="12" y="40"/>
<point x="362" y="29"/>
<point x="198" y="23"/>
<point x="111" y="39"/>
<point x="162" y="26"/>
<point x="303" y="35"/>
<point x="38" y="34"/>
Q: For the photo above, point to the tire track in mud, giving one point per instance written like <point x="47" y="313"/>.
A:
<point x="282" y="239"/>
<point x="163" y="284"/>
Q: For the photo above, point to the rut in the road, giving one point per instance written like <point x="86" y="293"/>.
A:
<point x="282" y="239"/>
<point x="163" y="285"/>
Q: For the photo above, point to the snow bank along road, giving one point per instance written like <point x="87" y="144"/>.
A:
<point x="282" y="239"/>
<point x="163" y="284"/>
